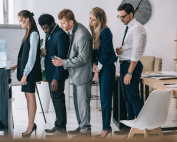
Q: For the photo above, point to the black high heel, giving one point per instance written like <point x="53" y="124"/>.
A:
<point x="28" y="135"/>
<point x="107" y="133"/>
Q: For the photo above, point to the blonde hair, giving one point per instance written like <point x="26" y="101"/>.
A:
<point x="102" y="21"/>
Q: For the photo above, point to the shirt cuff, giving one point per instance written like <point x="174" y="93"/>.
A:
<point x="134" y="59"/>
<point x="99" y="66"/>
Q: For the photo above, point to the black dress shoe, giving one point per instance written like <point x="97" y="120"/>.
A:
<point x="51" y="130"/>
<point x="29" y="135"/>
<point x="57" y="134"/>
<point x="82" y="135"/>
<point x="77" y="131"/>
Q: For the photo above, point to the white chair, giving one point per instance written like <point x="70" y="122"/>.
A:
<point x="152" y="116"/>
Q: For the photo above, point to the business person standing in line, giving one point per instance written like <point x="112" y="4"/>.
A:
<point x="28" y="66"/>
<point x="79" y="65"/>
<point x="57" y="44"/>
<point x="133" y="47"/>
<point x="103" y="65"/>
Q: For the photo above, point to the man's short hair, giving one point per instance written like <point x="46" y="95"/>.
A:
<point x="66" y="13"/>
<point x="127" y="7"/>
<point x="46" y="19"/>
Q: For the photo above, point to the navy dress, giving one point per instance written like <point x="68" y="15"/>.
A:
<point x="106" y="56"/>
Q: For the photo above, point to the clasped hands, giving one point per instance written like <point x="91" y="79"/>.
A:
<point x="96" y="72"/>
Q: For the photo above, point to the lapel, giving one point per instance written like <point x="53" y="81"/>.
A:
<point x="51" y="37"/>
<point x="72" y="36"/>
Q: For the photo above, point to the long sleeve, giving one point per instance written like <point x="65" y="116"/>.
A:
<point x="105" y="47"/>
<point x="34" y="40"/>
<point x="62" y="52"/>
<point x="83" y="48"/>
<point x="138" y="44"/>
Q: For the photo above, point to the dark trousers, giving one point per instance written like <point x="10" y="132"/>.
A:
<point x="131" y="91"/>
<point x="106" y="83"/>
<point x="58" y="99"/>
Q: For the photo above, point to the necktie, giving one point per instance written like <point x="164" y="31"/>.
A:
<point x="69" y="36"/>
<point x="124" y="35"/>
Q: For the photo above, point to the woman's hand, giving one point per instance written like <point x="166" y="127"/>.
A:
<point x="23" y="80"/>
<point x="96" y="75"/>
<point x="13" y="68"/>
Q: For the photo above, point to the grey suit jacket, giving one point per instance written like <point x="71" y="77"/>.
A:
<point x="79" y="62"/>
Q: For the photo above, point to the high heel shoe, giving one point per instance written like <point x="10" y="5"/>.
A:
<point x="107" y="133"/>
<point x="28" y="135"/>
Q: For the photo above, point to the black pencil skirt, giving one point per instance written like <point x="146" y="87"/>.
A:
<point x="28" y="88"/>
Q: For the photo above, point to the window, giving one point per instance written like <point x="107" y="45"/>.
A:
<point x="6" y="8"/>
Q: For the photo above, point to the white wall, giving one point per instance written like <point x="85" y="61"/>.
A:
<point x="161" y="28"/>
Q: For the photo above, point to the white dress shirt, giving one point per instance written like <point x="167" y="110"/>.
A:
<point x="134" y="43"/>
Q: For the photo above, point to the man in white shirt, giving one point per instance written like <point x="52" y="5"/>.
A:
<point x="130" y="53"/>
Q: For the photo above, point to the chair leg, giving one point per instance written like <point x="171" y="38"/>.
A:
<point x="145" y="133"/>
<point x="161" y="135"/>
<point x="131" y="133"/>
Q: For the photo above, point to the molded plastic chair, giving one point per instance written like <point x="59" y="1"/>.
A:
<point x="153" y="114"/>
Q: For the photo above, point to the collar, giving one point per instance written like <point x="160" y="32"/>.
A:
<point x="74" y="28"/>
<point x="131" y="22"/>
<point x="54" y="28"/>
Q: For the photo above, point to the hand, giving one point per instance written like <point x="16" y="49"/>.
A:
<point x="119" y="50"/>
<point x="13" y="68"/>
<point x="54" y="85"/>
<point x="127" y="79"/>
<point x="23" y="80"/>
<point x="96" y="75"/>
<point x="58" y="62"/>
<point x="43" y="53"/>
<point x="94" y="67"/>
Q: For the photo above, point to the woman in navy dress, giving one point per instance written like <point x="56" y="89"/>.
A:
<point x="103" y="64"/>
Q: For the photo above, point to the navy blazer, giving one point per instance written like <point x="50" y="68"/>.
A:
<point x="105" y="54"/>
<point x="58" y="44"/>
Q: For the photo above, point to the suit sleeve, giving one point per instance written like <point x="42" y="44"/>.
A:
<point x="84" y="49"/>
<point x="62" y="45"/>
<point x="106" y="39"/>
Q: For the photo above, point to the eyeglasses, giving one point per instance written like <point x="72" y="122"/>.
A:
<point x="122" y="17"/>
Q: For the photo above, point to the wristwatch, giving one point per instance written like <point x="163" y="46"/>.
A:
<point x="130" y="73"/>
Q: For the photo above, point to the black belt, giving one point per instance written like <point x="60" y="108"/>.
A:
<point x="124" y="61"/>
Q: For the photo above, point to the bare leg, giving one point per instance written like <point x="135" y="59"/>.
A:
<point x="31" y="105"/>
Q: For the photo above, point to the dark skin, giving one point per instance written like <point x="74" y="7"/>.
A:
<point x="48" y="29"/>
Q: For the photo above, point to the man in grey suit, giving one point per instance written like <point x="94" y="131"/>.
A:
<point x="79" y="65"/>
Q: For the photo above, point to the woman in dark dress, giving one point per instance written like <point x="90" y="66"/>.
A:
<point x="103" y="66"/>
<point x="28" y="66"/>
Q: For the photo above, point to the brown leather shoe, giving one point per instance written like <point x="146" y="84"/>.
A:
<point x="51" y="130"/>
<point x="74" y="132"/>
<point x="57" y="135"/>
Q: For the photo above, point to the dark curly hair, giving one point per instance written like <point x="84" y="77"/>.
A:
<point x="46" y="19"/>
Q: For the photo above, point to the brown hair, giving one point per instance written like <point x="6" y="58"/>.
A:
<point x="102" y="21"/>
<point x="32" y="23"/>
<point x="68" y="14"/>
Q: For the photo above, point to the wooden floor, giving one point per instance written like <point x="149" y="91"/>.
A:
<point x="21" y="120"/>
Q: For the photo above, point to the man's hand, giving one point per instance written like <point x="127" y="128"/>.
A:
<point x="96" y="75"/>
<point x="54" y="85"/>
<point x="13" y="68"/>
<point x="127" y="79"/>
<point x="58" y="62"/>
<point x="23" y="80"/>
<point x="119" y="50"/>
<point x="43" y="52"/>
